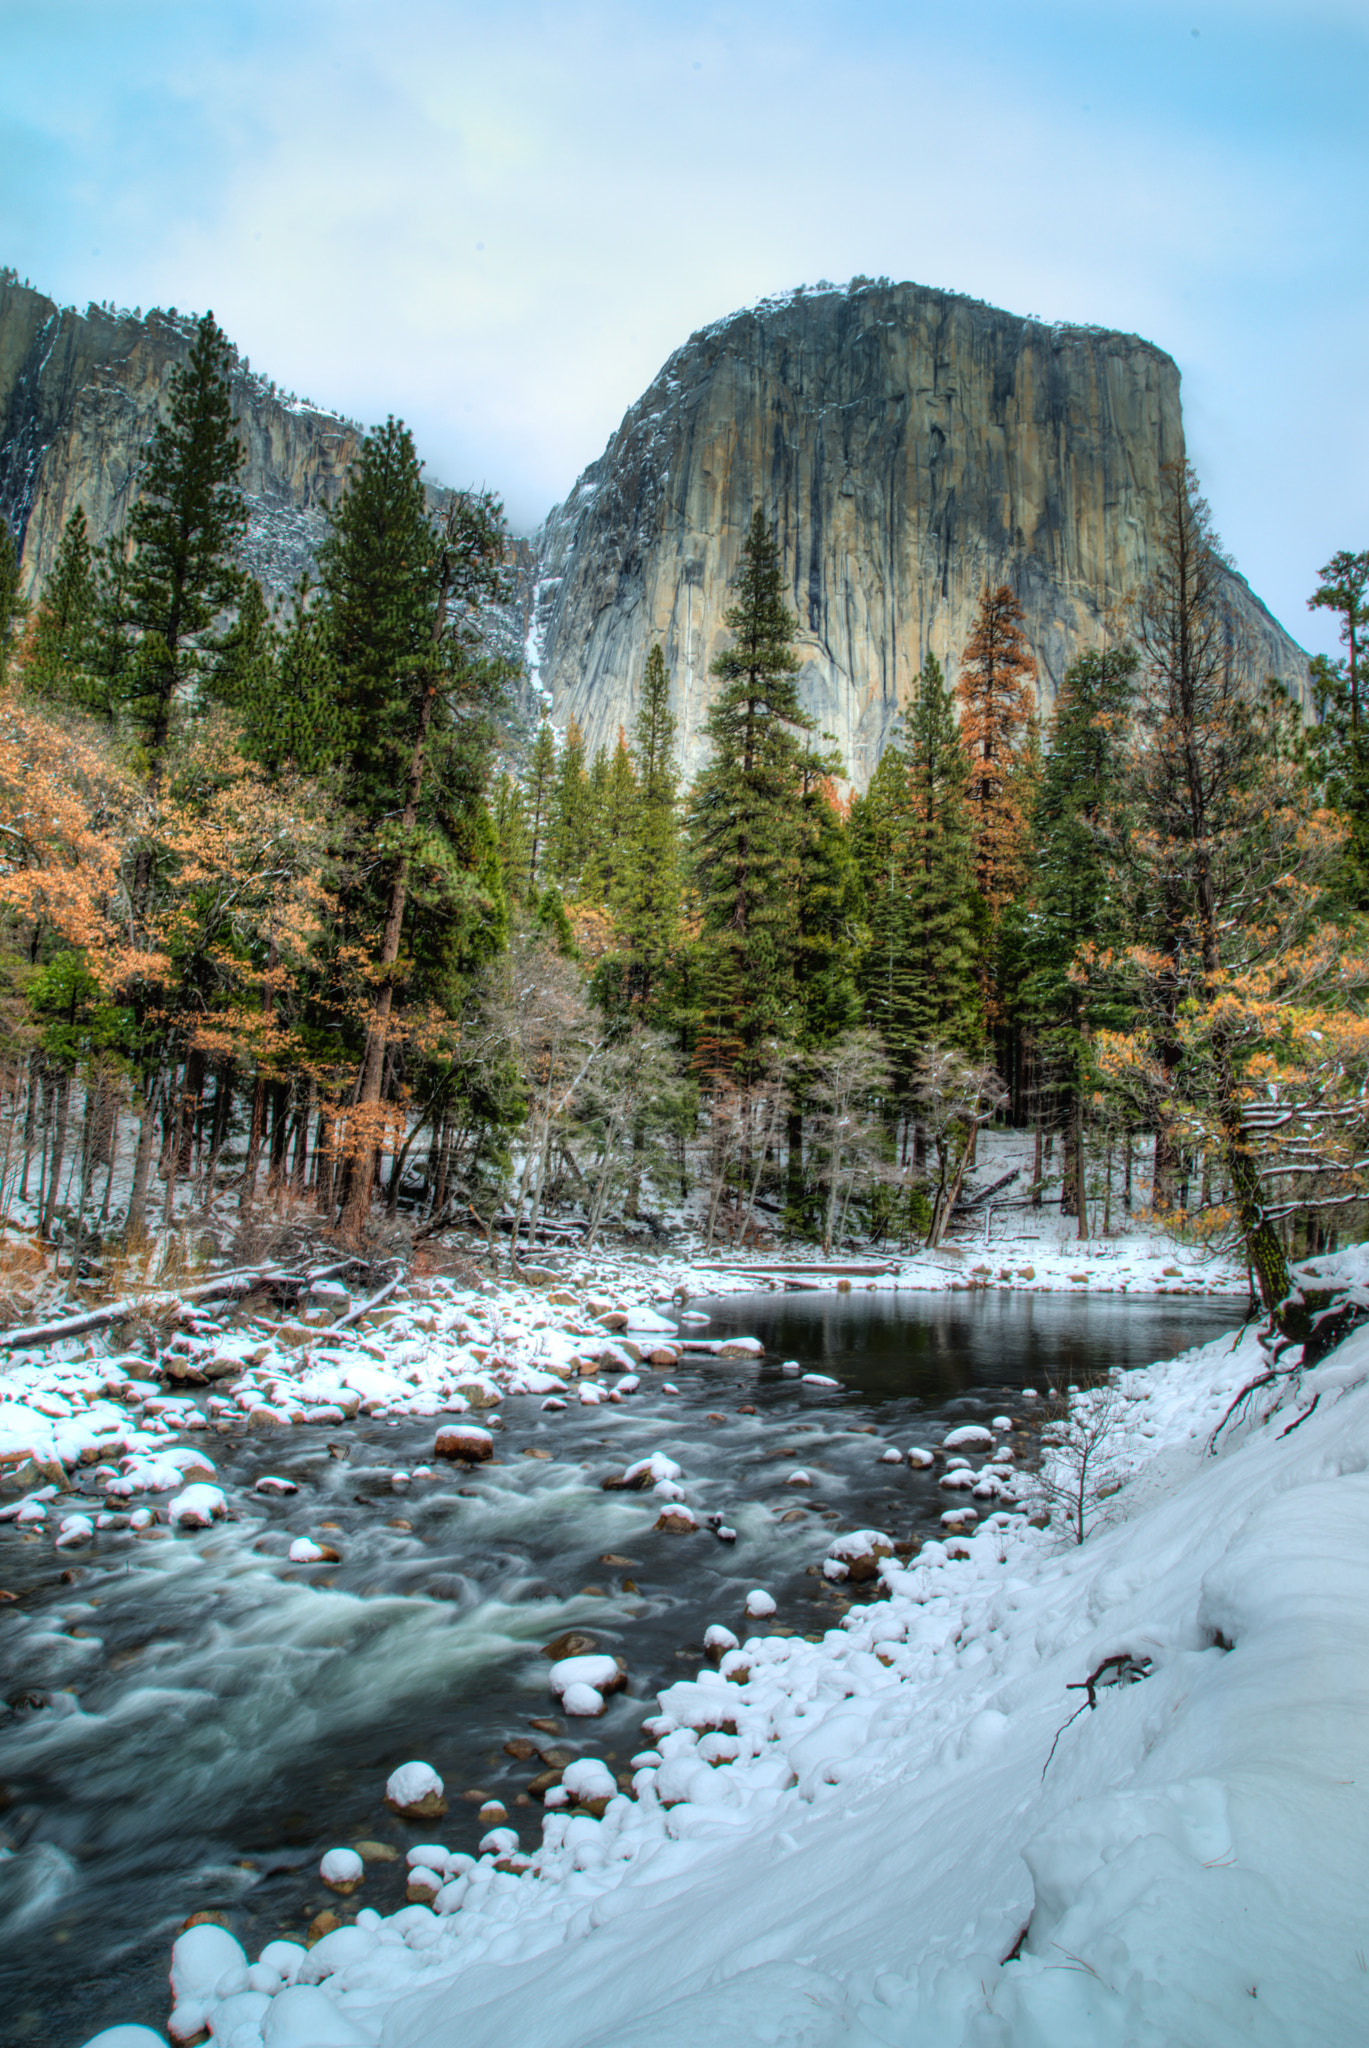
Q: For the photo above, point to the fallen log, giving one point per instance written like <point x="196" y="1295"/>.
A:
<point x="977" y="1201"/>
<point x="228" y="1286"/>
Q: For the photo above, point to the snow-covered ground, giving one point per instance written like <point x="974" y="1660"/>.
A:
<point x="865" y="1839"/>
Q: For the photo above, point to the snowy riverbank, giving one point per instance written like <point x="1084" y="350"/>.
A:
<point x="842" y="1841"/>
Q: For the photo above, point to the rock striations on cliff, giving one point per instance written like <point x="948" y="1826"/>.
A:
<point x="909" y="445"/>
<point x="79" y="396"/>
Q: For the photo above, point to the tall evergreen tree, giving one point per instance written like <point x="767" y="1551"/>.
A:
<point x="997" y="706"/>
<point x="404" y="597"/>
<point x="648" y="903"/>
<point x="614" y="823"/>
<point x="540" y="806"/>
<point x="913" y="839"/>
<point x="62" y="651"/>
<point x="281" y="681"/>
<point x="1071" y="925"/>
<point x="572" y="812"/>
<point x="510" y="815"/>
<point x="182" y="533"/>
<point x="1340" y="739"/>
<point x="744" y="824"/>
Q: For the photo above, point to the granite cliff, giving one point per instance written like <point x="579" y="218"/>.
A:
<point x="79" y="395"/>
<point x="909" y="445"/>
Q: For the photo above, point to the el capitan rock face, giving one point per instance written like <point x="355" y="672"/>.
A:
<point x="909" y="446"/>
<point x="81" y="392"/>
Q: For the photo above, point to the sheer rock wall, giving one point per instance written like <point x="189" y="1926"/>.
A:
<point x="908" y="445"/>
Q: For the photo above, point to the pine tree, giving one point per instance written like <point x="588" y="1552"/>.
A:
<point x="997" y="705"/>
<point x="281" y="682"/>
<point x="744" y="824"/>
<point x="614" y="822"/>
<point x="1339" y="738"/>
<point x="572" y="812"/>
<point x="183" y="532"/>
<point x="1227" y="876"/>
<point x="1071" y="924"/>
<point x="540" y="804"/>
<point x="63" y="646"/>
<point x="379" y="572"/>
<point x="404" y="599"/>
<point x="510" y="817"/>
<point x="913" y="837"/>
<point x="648" y="906"/>
<point x="830" y="935"/>
<point x="1344" y="589"/>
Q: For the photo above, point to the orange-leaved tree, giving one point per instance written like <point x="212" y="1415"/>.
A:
<point x="1249" y="973"/>
<point x="996" y="691"/>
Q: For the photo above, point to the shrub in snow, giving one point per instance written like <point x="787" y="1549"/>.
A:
<point x="1085" y="1456"/>
<point x="758" y="1604"/>
<point x="342" y="1870"/>
<point x="415" y="1792"/>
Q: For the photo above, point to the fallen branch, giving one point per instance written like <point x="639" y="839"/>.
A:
<point x="228" y="1286"/>
<point x="363" y="1308"/>
<point x="1121" y="1669"/>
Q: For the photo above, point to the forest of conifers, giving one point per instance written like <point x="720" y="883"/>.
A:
<point x="301" y="919"/>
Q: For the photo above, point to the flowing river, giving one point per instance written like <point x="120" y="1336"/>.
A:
<point x="193" y="1720"/>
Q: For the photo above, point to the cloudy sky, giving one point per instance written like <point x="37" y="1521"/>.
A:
<point x="498" y="222"/>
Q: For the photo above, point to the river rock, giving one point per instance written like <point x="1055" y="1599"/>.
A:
<point x="582" y="1684"/>
<point x="675" y="1519"/>
<point x="759" y="1604"/>
<point x="464" y="1442"/>
<point x="342" y="1870"/>
<point x="197" y="1507"/>
<point x="415" y="1792"/>
<point x="972" y="1436"/>
<point x="860" y="1552"/>
<point x="574" y="1643"/>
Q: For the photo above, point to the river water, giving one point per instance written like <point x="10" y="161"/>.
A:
<point x="193" y="1720"/>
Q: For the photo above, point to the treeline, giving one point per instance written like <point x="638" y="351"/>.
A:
<point x="286" y="908"/>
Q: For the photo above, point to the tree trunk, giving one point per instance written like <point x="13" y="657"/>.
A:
<point x="142" y="1162"/>
<point x="1080" y="1182"/>
<point x="373" y="1058"/>
<point x="59" y="1145"/>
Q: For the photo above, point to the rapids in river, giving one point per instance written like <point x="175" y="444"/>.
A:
<point x="192" y="1720"/>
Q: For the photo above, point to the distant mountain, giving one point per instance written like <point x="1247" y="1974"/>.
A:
<point x="909" y="446"/>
